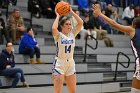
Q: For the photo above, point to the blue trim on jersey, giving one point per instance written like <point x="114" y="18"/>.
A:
<point x="57" y="49"/>
<point x="53" y="69"/>
<point x="54" y="63"/>
<point x="56" y="71"/>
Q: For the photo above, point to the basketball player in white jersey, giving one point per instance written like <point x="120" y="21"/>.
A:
<point x="64" y="64"/>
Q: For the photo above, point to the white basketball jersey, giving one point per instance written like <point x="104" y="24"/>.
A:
<point x="65" y="46"/>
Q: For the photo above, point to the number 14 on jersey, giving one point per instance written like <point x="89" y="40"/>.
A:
<point x="68" y="49"/>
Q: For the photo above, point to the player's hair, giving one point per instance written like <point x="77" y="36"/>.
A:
<point x="63" y="20"/>
<point x="136" y="22"/>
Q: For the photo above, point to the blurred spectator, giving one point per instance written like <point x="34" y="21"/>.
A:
<point x="90" y="25"/>
<point x="0" y="3"/>
<point x="104" y="24"/>
<point x="83" y="6"/>
<point x="85" y="20"/>
<point x="47" y="8"/>
<point x="108" y="10"/>
<point x="83" y="32"/>
<point x="7" y="66"/>
<point x="102" y="4"/>
<point x="117" y="3"/>
<point x="53" y="3"/>
<point x="94" y="25"/>
<point x="108" y="1"/>
<point x="116" y="18"/>
<point x="137" y="11"/>
<point x="34" y="7"/>
<point x="13" y="2"/>
<point x="134" y="2"/>
<point x="3" y="31"/>
<point x="15" y="25"/>
<point x="29" y="46"/>
<point x="128" y="14"/>
<point x="3" y="3"/>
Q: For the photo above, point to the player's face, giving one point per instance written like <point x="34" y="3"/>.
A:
<point x="66" y="27"/>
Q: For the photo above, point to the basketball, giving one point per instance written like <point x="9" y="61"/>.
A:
<point x="62" y="8"/>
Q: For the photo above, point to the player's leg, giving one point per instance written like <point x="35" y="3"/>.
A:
<point x="58" y="83"/>
<point x="71" y="83"/>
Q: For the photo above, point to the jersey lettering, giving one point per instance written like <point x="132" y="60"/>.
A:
<point x="67" y="49"/>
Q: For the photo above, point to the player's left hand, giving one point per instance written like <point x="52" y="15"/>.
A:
<point x="96" y="9"/>
<point x="56" y="13"/>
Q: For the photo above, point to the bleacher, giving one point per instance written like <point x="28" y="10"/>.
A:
<point x="96" y="74"/>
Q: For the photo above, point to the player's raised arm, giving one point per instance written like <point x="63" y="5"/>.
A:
<point x="55" y="31"/>
<point x="122" y="28"/>
<point x="79" y="22"/>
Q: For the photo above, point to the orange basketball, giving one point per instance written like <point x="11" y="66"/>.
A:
<point x="62" y="8"/>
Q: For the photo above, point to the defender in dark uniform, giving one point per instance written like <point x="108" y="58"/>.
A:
<point x="134" y="33"/>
